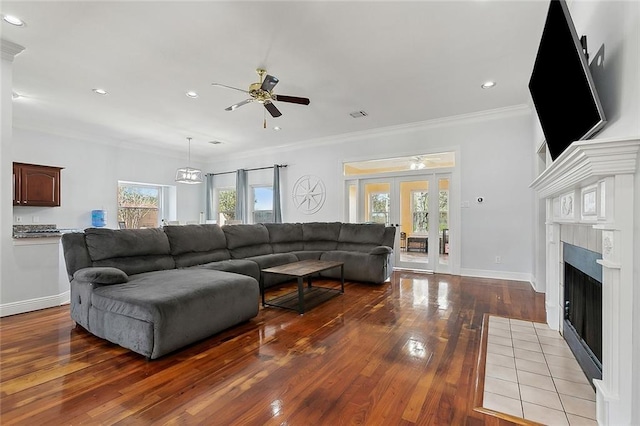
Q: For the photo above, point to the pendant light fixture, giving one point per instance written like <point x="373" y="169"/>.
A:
<point x="189" y="174"/>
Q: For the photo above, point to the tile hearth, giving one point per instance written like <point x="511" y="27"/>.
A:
<point x="531" y="373"/>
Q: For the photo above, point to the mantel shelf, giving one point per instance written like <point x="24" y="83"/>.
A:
<point x="584" y="162"/>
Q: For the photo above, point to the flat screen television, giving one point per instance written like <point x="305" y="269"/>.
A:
<point x="561" y="84"/>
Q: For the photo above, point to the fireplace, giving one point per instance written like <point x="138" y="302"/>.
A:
<point x="582" y="324"/>
<point x="595" y="184"/>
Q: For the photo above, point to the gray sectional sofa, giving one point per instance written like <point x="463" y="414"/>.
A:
<point x="156" y="290"/>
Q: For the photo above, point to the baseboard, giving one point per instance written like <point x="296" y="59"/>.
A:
<point x="23" y="306"/>
<point x="498" y="275"/>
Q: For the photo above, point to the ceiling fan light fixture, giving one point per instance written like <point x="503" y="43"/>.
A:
<point x="189" y="174"/>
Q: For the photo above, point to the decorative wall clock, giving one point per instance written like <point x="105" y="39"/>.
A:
<point x="309" y="194"/>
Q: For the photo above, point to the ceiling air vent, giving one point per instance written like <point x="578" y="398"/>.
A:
<point x="358" y="114"/>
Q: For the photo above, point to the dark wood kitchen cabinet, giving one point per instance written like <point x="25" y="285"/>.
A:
<point x="37" y="186"/>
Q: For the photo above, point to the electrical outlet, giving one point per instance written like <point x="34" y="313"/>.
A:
<point x="18" y="219"/>
<point x="498" y="259"/>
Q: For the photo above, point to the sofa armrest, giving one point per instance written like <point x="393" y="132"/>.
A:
<point x="101" y="275"/>
<point x="381" y="250"/>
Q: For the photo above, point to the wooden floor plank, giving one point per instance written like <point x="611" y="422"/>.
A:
<point x="401" y="353"/>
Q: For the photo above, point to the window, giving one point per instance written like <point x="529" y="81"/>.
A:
<point x="444" y="209"/>
<point x="226" y="205"/>
<point x="379" y="207"/>
<point x="420" y="212"/>
<point x="262" y="204"/>
<point x="140" y="205"/>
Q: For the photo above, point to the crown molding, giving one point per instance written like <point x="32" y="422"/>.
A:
<point x="474" y="117"/>
<point x="10" y="50"/>
<point x="585" y="162"/>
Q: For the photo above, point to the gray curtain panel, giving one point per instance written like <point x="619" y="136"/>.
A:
<point x="209" y="207"/>
<point x="241" y="195"/>
<point x="277" y="209"/>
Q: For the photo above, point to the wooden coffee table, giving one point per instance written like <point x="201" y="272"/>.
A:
<point x="307" y="297"/>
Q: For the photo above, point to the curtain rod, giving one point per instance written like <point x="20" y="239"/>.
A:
<point x="249" y="170"/>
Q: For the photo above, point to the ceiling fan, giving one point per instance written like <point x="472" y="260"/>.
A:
<point x="262" y="92"/>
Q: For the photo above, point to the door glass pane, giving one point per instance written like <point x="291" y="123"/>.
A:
<point x="414" y="221"/>
<point x="443" y="217"/>
<point x="353" y="203"/>
<point x="376" y="198"/>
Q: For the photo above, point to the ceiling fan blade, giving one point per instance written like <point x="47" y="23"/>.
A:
<point x="239" y="104"/>
<point x="269" y="83"/>
<point x="275" y="112"/>
<point x="292" y="99"/>
<point x="229" y="87"/>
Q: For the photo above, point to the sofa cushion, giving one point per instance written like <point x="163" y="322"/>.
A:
<point x="109" y="243"/>
<point x="269" y="260"/>
<point x="360" y="237"/>
<point x="320" y="235"/>
<point x="138" y="264"/>
<point x="183" y="306"/>
<point x="285" y="237"/>
<point x="237" y="266"/>
<point x="192" y="259"/>
<point x="357" y="266"/>
<point x="247" y="240"/>
<point x="76" y="255"/>
<point x="104" y="276"/>
<point x="195" y="239"/>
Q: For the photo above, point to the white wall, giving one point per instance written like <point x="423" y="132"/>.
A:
<point x="31" y="276"/>
<point x="495" y="162"/>
<point x="91" y="174"/>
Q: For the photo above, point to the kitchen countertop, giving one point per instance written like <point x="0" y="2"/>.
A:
<point x="39" y="231"/>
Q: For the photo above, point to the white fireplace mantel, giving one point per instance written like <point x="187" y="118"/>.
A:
<point x="592" y="183"/>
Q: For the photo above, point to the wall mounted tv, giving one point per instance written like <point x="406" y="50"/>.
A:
<point x="561" y="84"/>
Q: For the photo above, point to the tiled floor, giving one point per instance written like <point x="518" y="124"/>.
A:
<point x="531" y="373"/>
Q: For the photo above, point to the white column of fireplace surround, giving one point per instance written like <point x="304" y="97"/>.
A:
<point x="584" y="163"/>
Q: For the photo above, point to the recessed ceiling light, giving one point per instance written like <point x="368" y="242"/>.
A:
<point x="191" y="94"/>
<point x="13" y="20"/>
<point x="100" y="91"/>
<point x="276" y="128"/>
<point x="488" y="84"/>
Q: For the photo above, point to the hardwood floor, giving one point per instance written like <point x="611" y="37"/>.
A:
<point x="400" y="353"/>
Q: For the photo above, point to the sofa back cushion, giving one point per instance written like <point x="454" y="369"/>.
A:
<point x="360" y="237"/>
<point x="197" y="244"/>
<point x="132" y="250"/>
<point x="247" y="240"/>
<point x="76" y="256"/>
<point x="285" y="237"/>
<point x="320" y="235"/>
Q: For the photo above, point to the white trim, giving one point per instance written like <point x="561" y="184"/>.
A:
<point x="481" y="116"/>
<point x="585" y="161"/>
<point x="10" y="49"/>
<point x="30" y="305"/>
<point x="498" y="275"/>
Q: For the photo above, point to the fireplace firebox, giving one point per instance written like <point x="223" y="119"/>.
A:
<point x="583" y="308"/>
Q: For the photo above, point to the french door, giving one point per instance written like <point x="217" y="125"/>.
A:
<point x="418" y="205"/>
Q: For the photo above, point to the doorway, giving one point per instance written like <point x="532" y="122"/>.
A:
<point x="418" y="205"/>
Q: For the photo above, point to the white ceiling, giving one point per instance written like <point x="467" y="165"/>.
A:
<point x="401" y="62"/>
